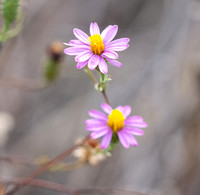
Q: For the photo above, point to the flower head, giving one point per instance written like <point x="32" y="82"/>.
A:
<point x="95" y="49"/>
<point x="115" y="122"/>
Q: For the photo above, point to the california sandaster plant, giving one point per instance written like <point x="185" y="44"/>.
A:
<point x="114" y="126"/>
<point x="96" y="51"/>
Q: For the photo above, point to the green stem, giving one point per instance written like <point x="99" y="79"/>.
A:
<point x="87" y="70"/>
<point x="20" y="18"/>
<point x="4" y="32"/>
<point x="105" y="96"/>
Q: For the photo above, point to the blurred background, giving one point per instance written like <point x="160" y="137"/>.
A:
<point x="160" y="79"/>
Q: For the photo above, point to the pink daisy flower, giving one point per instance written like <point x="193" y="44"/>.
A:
<point x="115" y="121"/>
<point x="93" y="50"/>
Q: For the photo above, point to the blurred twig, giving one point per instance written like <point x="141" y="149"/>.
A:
<point x="49" y="165"/>
<point x="37" y="183"/>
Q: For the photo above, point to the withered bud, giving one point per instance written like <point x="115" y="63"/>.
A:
<point x="55" y="51"/>
<point x="89" y="152"/>
<point x="93" y="143"/>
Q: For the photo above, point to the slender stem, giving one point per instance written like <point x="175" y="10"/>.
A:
<point x="95" y="83"/>
<point x="105" y="96"/>
<point x="37" y="183"/>
<point x="51" y="163"/>
<point x="91" y="76"/>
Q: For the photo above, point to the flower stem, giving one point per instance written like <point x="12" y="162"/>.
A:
<point x="105" y="96"/>
<point x="102" y="76"/>
<point x="87" y="70"/>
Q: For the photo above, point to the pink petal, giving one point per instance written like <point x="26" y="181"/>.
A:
<point x="84" y="56"/>
<point x="110" y="34"/>
<point x="119" y="42"/>
<point x="76" y="50"/>
<point x="123" y="139"/>
<point x="96" y="128"/>
<point x="94" y="29"/>
<point x="73" y="51"/>
<point x="94" y="122"/>
<point x="109" y="54"/>
<point x="118" y="45"/>
<point x="130" y="139"/>
<point x="117" y="48"/>
<point x="98" y="134"/>
<point x="103" y="67"/>
<point x="74" y="42"/>
<point x="126" y="110"/>
<point x="136" y="124"/>
<point x="93" y="62"/>
<point x="115" y="62"/>
<point x="106" y="140"/>
<point x="98" y="115"/>
<point x="103" y="34"/>
<point x="134" y="119"/>
<point x="106" y="108"/>
<point x="120" y="108"/>
<point x="68" y="44"/>
<point x="133" y="130"/>
<point x="81" y="35"/>
<point x="81" y="64"/>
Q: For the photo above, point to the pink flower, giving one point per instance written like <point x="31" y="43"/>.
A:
<point x="93" y="50"/>
<point x="117" y="121"/>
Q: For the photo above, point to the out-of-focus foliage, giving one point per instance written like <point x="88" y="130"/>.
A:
<point x="51" y="70"/>
<point x="54" y="58"/>
<point x="9" y="11"/>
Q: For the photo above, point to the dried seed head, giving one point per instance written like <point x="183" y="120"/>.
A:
<point x="89" y="152"/>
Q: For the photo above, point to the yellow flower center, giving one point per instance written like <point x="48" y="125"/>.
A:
<point x="116" y="120"/>
<point x="96" y="43"/>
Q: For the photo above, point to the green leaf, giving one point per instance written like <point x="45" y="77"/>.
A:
<point x="51" y="70"/>
<point x="103" y="80"/>
<point x="9" y="11"/>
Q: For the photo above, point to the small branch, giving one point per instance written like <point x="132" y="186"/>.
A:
<point x="37" y="183"/>
<point x="87" y="70"/>
<point x="50" y="164"/>
<point x="96" y="83"/>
